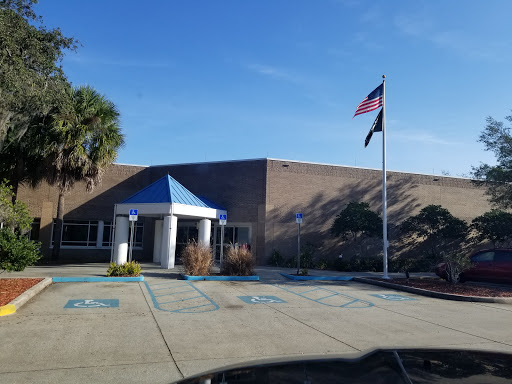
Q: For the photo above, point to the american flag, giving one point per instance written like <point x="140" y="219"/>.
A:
<point x="371" y="102"/>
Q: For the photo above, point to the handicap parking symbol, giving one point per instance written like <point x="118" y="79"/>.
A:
<point x="92" y="303"/>
<point x="261" y="299"/>
<point x="392" y="297"/>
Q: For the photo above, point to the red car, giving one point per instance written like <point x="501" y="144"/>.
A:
<point x="493" y="265"/>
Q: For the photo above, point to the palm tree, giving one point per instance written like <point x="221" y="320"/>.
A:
<point x="84" y="139"/>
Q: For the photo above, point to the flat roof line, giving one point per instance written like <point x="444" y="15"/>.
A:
<point x="212" y="162"/>
<point x="132" y="165"/>
<point x="370" y="169"/>
<point x="293" y="161"/>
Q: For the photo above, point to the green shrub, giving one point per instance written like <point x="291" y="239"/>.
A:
<point x="197" y="259"/>
<point x="307" y="252"/>
<point x="456" y="264"/>
<point x="322" y="264"/>
<point x="238" y="262"/>
<point x="130" y="268"/>
<point x="419" y="263"/>
<point x="358" y="264"/>
<point x="16" y="251"/>
<point x="276" y="259"/>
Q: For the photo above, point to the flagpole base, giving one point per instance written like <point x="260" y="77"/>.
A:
<point x="386" y="276"/>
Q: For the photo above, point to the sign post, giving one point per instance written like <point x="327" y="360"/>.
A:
<point x="298" y="220"/>
<point x="222" y="221"/>
<point x="134" y="213"/>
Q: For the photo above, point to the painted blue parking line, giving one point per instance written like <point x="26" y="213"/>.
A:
<point x="336" y="299"/>
<point x="347" y="304"/>
<point x="175" y="301"/>
<point x="311" y="290"/>
<point x="167" y="283"/>
<point x="174" y="286"/>
<point x="392" y="297"/>
<point x="186" y="310"/>
<point x="174" y="293"/>
<point x="188" y="301"/>
<point x="325" y="297"/>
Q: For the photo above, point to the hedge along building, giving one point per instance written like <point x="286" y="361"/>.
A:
<point x="261" y="197"/>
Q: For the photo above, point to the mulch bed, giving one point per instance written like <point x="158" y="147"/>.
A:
<point x="462" y="289"/>
<point x="12" y="288"/>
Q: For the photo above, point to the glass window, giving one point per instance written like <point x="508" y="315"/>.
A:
<point x="35" y="228"/>
<point x="107" y="234"/>
<point x="137" y="241"/>
<point x="78" y="233"/>
<point x="242" y="235"/>
<point x="233" y="235"/>
<point x="186" y="232"/>
<point x="484" y="256"/>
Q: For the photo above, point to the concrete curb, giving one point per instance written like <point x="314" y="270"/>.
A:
<point x="96" y="279"/>
<point x="437" y="295"/>
<point x="220" y="278"/>
<point x="325" y="278"/>
<point x="18" y="302"/>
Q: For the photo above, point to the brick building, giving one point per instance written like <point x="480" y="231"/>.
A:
<point x="261" y="197"/>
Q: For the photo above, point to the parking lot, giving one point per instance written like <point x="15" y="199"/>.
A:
<point x="163" y="329"/>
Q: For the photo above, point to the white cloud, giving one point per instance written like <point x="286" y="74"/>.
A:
<point x="421" y="26"/>
<point x="275" y="73"/>
<point x="421" y="137"/>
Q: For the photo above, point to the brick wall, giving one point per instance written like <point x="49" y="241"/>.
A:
<point x="264" y="194"/>
<point x="118" y="183"/>
<point x="237" y="186"/>
<point x="320" y="192"/>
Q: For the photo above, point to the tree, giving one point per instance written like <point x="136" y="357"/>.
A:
<point x="22" y="160"/>
<point x="16" y="250"/>
<point x="495" y="226"/>
<point x="437" y="227"/>
<point x="456" y="263"/>
<point x="31" y="78"/>
<point x="497" y="138"/>
<point x="355" y="221"/>
<point x="13" y="216"/>
<point x="83" y="140"/>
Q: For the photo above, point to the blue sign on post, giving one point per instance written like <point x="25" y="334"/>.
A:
<point x="298" y="218"/>
<point x="133" y="214"/>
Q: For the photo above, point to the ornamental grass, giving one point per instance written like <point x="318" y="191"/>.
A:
<point x="197" y="259"/>
<point x="238" y="261"/>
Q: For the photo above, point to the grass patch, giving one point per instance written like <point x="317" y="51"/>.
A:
<point x="130" y="268"/>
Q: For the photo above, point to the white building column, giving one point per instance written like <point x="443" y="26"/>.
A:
<point x="168" y="248"/>
<point x="205" y="229"/>
<point x="99" y="236"/>
<point x="157" y="245"/>
<point x="121" y="240"/>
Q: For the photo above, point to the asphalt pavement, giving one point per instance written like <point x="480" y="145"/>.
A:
<point x="164" y="329"/>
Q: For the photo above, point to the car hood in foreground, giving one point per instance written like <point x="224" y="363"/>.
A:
<point x="381" y="366"/>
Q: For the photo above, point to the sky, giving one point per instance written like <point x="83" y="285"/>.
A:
<point x="204" y="80"/>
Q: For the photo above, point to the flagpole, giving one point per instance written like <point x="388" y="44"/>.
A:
<point x="384" y="194"/>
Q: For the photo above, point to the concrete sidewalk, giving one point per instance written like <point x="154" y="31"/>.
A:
<point x="154" y="270"/>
